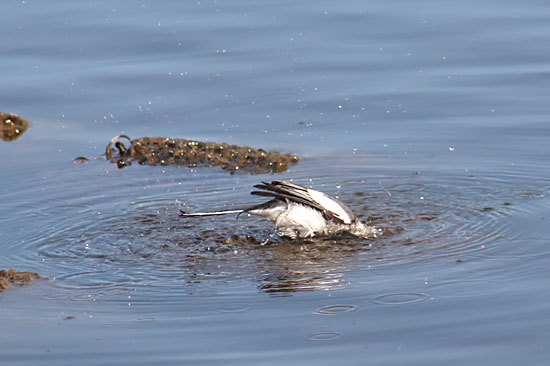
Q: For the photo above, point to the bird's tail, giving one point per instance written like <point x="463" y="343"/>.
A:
<point x="185" y="214"/>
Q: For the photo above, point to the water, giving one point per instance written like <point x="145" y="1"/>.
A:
<point x="429" y="119"/>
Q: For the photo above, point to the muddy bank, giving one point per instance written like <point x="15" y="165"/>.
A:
<point x="122" y="150"/>
<point x="18" y="278"/>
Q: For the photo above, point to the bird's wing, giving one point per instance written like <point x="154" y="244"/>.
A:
<point x="331" y="207"/>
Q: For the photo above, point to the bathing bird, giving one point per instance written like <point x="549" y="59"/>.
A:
<point x="300" y="212"/>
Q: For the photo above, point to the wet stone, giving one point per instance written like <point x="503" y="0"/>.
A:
<point x="11" y="126"/>
<point x="18" y="278"/>
<point x="182" y="152"/>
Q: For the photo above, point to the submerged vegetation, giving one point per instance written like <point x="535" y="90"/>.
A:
<point x="11" y="126"/>
<point x="18" y="278"/>
<point x="191" y="153"/>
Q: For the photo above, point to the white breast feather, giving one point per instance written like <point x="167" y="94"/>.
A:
<point x="302" y="218"/>
<point x="330" y="205"/>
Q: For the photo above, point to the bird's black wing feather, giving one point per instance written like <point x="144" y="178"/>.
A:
<point x="295" y="193"/>
<point x="289" y="191"/>
<point x="286" y="197"/>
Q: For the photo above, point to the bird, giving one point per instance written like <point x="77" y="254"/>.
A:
<point x="300" y="212"/>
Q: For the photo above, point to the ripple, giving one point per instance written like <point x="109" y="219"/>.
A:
<point x="233" y="308"/>
<point x="401" y="298"/>
<point x="70" y="296"/>
<point x="405" y="187"/>
<point x="146" y="320"/>
<point x="462" y="288"/>
<point x="74" y="293"/>
<point x="324" y="336"/>
<point x="61" y="209"/>
<point x="520" y="248"/>
<point x="336" y="309"/>
<point x="109" y="242"/>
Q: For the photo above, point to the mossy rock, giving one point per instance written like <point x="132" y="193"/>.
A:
<point x="11" y="126"/>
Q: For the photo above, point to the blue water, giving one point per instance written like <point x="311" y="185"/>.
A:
<point x="429" y="119"/>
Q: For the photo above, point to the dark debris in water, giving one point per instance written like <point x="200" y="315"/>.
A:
<point x="81" y="160"/>
<point x="191" y="153"/>
<point x="11" y="126"/>
<point x="18" y="278"/>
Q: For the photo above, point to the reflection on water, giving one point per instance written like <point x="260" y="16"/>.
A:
<point x="315" y="264"/>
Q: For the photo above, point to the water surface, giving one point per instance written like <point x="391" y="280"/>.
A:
<point x="429" y="119"/>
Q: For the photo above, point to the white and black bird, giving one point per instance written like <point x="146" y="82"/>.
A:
<point x="301" y="212"/>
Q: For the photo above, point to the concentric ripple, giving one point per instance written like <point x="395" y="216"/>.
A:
<point x="401" y="298"/>
<point x="102" y="243"/>
<point x="324" y="336"/>
<point x="336" y="309"/>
